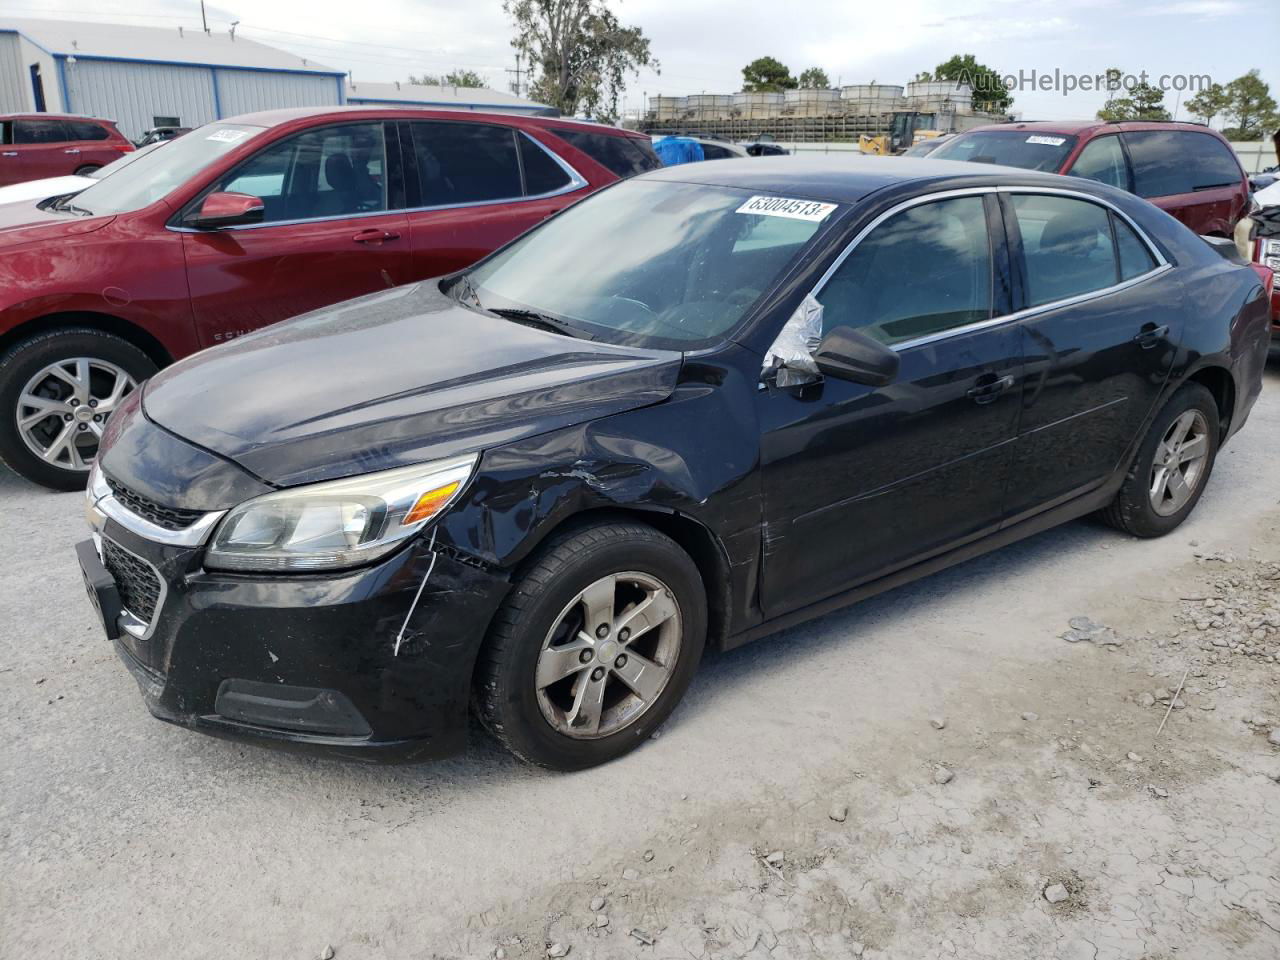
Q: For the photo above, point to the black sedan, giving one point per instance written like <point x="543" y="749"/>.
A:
<point x="702" y="405"/>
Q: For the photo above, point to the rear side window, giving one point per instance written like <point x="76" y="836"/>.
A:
<point x="541" y="172"/>
<point x="1102" y="160"/>
<point x="1067" y="247"/>
<point x="86" y="130"/>
<point x="465" y="162"/>
<point x="923" y="271"/>
<point x="39" y="131"/>
<point x="623" y="156"/>
<point x="711" y="151"/>
<point x="1135" y="258"/>
<point x="1168" y="162"/>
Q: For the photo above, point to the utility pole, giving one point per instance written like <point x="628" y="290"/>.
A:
<point x="204" y="21"/>
<point x="515" y="84"/>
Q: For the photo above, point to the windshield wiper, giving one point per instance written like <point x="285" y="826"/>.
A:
<point x="542" y="321"/>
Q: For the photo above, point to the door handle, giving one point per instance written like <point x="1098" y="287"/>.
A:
<point x="1151" y="335"/>
<point x="375" y="235"/>
<point x="72" y="150"/>
<point x="988" y="388"/>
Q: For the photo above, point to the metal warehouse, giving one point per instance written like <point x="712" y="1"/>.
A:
<point x="446" y="97"/>
<point x="144" y="77"/>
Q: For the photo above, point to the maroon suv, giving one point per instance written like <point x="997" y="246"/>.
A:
<point x="1185" y="169"/>
<point x="38" y="145"/>
<point x="247" y="221"/>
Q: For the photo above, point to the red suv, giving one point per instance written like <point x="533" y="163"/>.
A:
<point x="39" y="145"/>
<point x="247" y="221"/>
<point x="1185" y="169"/>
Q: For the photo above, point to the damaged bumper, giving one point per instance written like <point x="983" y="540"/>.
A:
<point x="372" y="664"/>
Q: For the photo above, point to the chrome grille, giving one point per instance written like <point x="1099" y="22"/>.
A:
<point x="170" y="518"/>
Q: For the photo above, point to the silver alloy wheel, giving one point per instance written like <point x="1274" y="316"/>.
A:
<point x="609" y="655"/>
<point x="63" y="409"/>
<point x="1179" y="463"/>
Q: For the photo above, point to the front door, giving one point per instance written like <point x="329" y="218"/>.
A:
<point x="858" y="480"/>
<point x="331" y="231"/>
<point x="1098" y="344"/>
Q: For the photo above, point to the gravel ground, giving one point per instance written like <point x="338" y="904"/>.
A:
<point x="937" y="772"/>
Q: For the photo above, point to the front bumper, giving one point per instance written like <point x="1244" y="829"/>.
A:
<point x="312" y="662"/>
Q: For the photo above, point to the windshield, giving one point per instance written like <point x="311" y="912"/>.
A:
<point x="650" y="263"/>
<point x="158" y="173"/>
<point x="1011" y="148"/>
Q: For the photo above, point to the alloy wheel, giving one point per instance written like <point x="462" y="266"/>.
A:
<point x="609" y="655"/>
<point x="1179" y="463"/>
<point x="63" y="409"/>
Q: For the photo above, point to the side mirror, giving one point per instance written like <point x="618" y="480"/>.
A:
<point x="227" y="210"/>
<point x="848" y="355"/>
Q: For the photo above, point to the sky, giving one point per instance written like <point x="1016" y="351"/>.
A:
<point x="702" y="46"/>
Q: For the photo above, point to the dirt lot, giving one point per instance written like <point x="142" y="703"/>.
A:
<point x="997" y="790"/>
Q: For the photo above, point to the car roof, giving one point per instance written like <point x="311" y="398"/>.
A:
<point x="54" y="116"/>
<point x="1078" y="128"/>
<point x="289" y="115"/>
<point x="838" y="178"/>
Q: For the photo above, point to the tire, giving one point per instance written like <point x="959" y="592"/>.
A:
<point x="87" y="169"/>
<point x="537" y="725"/>
<point x="106" y="357"/>
<point x="1134" y="509"/>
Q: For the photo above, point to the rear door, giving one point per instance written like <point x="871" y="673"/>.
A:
<point x="93" y="144"/>
<point x="42" y="148"/>
<point x="1192" y="176"/>
<point x="859" y="480"/>
<point x="333" y="229"/>
<point x="1099" y="331"/>
<point x="473" y="187"/>
<point x="11" y="165"/>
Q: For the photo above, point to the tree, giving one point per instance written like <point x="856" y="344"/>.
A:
<point x="767" y="75"/>
<point x="1251" y="107"/>
<point x="990" y="95"/>
<point x="579" y="53"/>
<point x="815" y="78"/>
<point x="1209" y="102"/>
<point x="454" y="78"/>
<point x="1144" y="102"/>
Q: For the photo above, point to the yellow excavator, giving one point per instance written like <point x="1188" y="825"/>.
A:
<point x="904" y="129"/>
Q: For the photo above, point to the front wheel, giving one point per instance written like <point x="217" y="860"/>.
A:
<point x="593" y="648"/>
<point x="1171" y="468"/>
<point x="56" y="391"/>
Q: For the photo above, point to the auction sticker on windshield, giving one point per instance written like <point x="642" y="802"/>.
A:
<point x="809" y="210"/>
<point x="228" y="136"/>
<point x="1047" y="141"/>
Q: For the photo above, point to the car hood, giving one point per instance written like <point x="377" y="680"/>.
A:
<point x="396" y="378"/>
<point x="23" y="223"/>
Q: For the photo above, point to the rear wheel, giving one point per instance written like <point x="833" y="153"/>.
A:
<point x="593" y="648"/>
<point x="87" y="169"/>
<point x="56" y="391"/>
<point x="1172" y="466"/>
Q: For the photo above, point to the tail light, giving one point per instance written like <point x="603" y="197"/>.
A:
<point x="123" y="147"/>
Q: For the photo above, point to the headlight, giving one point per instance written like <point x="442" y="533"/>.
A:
<point x="342" y="523"/>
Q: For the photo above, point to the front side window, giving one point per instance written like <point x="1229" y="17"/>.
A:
<point x="622" y="156"/>
<point x="328" y="172"/>
<point x="693" y="264"/>
<point x="1028" y="149"/>
<point x="1066" y="245"/>
<point x="466" y="162"/>
<point x="1102" y="160"/>
<point x="39" y="131"/>
<point x="923" y="271"/>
